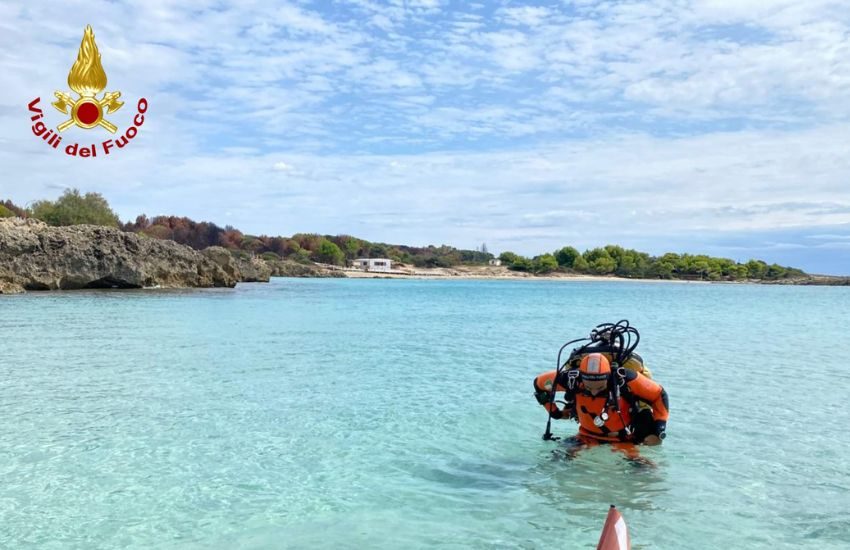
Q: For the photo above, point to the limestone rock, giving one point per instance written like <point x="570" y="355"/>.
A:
<point x="254" y="270"/>
<point x="288" y="268"/>
<point x="35" y="256"/>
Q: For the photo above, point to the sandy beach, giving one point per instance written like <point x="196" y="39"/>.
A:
<point x="494" y="273"/>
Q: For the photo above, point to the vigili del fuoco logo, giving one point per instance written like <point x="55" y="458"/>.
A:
<point x="87" y="111"/>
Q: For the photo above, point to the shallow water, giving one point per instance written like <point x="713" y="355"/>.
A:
<point x="389" y="413"/>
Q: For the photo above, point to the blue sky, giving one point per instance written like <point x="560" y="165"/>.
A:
<point x="713" y="126"/>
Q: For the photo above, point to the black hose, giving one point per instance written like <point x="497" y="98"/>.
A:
<point x="558" y="367"/>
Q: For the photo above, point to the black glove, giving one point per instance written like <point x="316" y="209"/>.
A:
<point x="543" y="396"/>
<point x="661" y="429"/>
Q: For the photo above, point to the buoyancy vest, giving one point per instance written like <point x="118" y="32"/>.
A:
<point x="610" y="426"/>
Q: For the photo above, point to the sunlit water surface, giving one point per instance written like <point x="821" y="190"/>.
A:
<point x="399" y="414"/>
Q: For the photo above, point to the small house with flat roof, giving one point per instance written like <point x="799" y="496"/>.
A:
<point x="373" y="264"/>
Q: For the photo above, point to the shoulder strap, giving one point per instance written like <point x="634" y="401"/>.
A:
<point x="624" y="379"/>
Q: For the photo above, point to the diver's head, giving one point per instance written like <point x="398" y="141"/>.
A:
<point x="595" y="369"/>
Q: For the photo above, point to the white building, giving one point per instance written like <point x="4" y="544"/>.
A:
<point x="495" y="261"/>
<point x="373" y="264"/>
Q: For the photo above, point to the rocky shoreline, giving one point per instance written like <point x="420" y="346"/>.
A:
<point x="812" y="280"/>
<point x="36" y="256"/>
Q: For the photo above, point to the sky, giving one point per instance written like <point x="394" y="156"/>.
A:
<point x="701" y="126"/>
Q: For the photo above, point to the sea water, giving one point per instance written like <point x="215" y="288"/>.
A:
<point x="399" y="414"/>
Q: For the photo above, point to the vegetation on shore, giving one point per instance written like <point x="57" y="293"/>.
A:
<point x="91" y="208"/>
<point x="624" y="262"/>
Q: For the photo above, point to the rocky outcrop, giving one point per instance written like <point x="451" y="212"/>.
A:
<point x="247" y="269"/>
<point x="288" y="268"/>
<point x="35" y="256"/>
<point x="812" y="280"/>
<point x="9" y="287"/>
<point x="254" y="270"/>
<point x="221" y="257"/>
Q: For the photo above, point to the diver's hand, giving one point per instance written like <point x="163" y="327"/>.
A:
<point x="543" y="397"/>
<point x="652" y="440"/>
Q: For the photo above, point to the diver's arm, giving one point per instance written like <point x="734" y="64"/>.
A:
<point x="653" y="393"/>
<point x="543" y="388"/>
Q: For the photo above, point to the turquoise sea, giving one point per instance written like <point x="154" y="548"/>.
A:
<point x="388" y="414"/>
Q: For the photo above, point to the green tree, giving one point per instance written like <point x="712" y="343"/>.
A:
<point x="776" y="271"/>
<point x="509" y="257"/>
<point x="757" y="269"/>
<point x="673" y="259"/>
<point x="617" y="253"/>
<point x="5" y="212"/>
<point x="738" y="272"/>
<point x="600" y="261"/>
<point x="379" y="250"/>
<point x="724" y="266"/>
<point x="301" y="256"/>
<point x="73" y="209"/>
<point x="567" y="256"/>
<point x="350" y="246"/>
<point x="329" y="253"/>
<point x="545" y="263"/>
<point x="289" y="247"/>
<point x="308" y="241"/>
<point x="404" y="257"/>
<point x="521" y="263"/>
<point x="794" y="272"/>
<point x="663" y="269"/>
<point x="700" y="267"/>
<point x="642" y="263"/>
<point x="13" y="208"/>
<point x="580" y="265"/>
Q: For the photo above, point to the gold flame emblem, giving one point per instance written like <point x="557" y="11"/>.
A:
<point x="87" y="78"/>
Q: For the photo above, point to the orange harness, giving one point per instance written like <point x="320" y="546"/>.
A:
<point x="600" y="420"/>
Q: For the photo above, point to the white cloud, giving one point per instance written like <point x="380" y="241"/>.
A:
<point x="830" y="237"/>
<point x="685" y="116"/>
<point x="298" y="20"/>
<point x="525" y="15"/>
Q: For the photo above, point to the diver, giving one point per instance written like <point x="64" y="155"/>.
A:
<point x="617" y="403"/>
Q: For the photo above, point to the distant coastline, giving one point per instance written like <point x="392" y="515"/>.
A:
<point x="37" y="256"/>
<point x="297" y="254"/>
<point x="501" y="273"/>
<point x="78" y="241"/>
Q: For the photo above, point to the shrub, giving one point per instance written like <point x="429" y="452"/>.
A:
<point x="74" y="209"/>
<point x="545" y="263"/>
<point x="567" y="256"/>
<point x="329" y="253"/>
